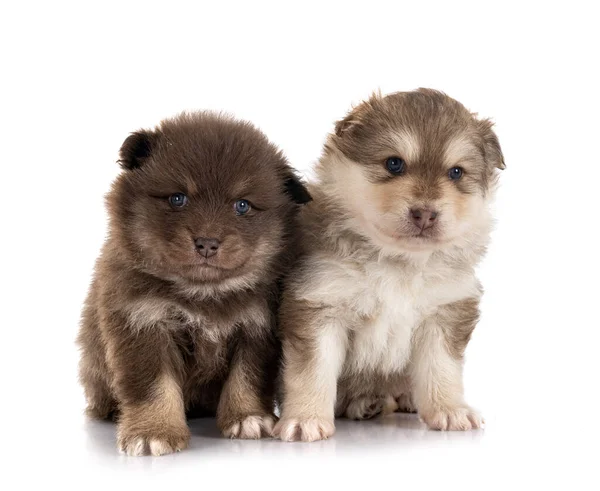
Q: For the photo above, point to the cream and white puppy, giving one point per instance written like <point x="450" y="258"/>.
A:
<point x="379" y="310"/>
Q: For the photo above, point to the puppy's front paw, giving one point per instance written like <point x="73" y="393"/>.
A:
<point x="304" y="430"/>
<point x="159" y="441"/>
<point x="460" y="418"/>
<point x="250" y="427"/>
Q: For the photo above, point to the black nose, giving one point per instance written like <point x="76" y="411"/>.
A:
<point x="423" y="218"/>
<point x="207" y="247"/>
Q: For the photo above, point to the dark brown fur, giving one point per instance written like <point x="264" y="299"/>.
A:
<point x="165" y="330"/>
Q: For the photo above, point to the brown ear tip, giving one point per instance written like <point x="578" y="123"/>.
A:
<point x="136" y="148"/>
<point x="297" y="191"/>
<point x="501" y="165"/>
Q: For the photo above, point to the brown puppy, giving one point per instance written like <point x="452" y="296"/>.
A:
<point x="180" y="315"/>
<point x="384" y="300"/>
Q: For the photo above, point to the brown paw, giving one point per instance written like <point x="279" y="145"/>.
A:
<point x="159" y="441"/>
<point x="304" y="430"/>
<point x="460" y="418"/>
<point x="250" y="427"/>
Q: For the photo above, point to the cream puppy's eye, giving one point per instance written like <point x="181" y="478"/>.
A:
<point x="241" y="206"/>
<point x="455" y="173"/>
<point x="178" y="200"/>
<point x="395" y="165"/>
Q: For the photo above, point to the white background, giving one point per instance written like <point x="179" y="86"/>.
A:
<point x="77" y="78"/>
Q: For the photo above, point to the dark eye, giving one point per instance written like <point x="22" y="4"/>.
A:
<point x="241" y="207"/>
<point x="178" y="200"/>
<point x="455" y="173"/>
<point x="395" y="165"/>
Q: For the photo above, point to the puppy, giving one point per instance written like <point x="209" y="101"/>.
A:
<point x="180" y="315"/>
<point x="379" y="309"/>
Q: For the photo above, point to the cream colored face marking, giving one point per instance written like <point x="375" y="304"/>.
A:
<point x="407" y="145"/>
<point x="458" y="149"/>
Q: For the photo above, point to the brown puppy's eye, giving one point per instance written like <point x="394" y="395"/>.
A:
<point x="455" y="173"/>
<point x="395" y="165"/>
<point x="241" y="206"/>
<point x="178" y="200"/>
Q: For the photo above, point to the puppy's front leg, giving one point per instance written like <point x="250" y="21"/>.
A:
<point x="145" y="365"/>
<point x="313" y="360"/>
<point x="436" y="367"/>
<point x="247" y="400"/>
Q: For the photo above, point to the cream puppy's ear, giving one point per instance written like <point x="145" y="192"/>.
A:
<point x="491" y="146"/>
<point x="344" y="125"/>
<point x="354" y="117"/>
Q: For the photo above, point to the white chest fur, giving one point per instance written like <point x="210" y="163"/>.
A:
<point x="389" y="309"/>
<point x="163" y="314"/>
<point x="381" y="302"/>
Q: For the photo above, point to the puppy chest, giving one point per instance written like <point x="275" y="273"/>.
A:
<point x="221" y="327"/>
<point x="389" y="311"/>
<point x="381" y="342"/>
<point x="218" y="323"/>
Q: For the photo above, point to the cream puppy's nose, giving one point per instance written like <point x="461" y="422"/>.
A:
<point x="423" y="218"/>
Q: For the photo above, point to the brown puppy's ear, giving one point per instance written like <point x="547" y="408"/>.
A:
<point x="491" y="145"/>
<point x="296" y="190"/>
<point x="136" y="149"/>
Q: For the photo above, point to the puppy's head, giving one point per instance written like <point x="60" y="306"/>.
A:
<point x="204" y="198"/>
<point x="413" y="170"/>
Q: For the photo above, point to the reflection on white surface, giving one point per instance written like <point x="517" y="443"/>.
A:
<point x="392" y="432"/>
<point x="396" y="450"/>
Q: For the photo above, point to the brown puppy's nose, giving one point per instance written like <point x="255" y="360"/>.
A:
<point x="207" y="247"/>
<point x="423" y="218"/>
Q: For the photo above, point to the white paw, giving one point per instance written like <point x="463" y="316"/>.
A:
<point x="136" y="447"/>
<point x="460" y="418"/>
<point x="365" y="407"/>
<point x="251" y="427"/>
<point x="305" y="430"/>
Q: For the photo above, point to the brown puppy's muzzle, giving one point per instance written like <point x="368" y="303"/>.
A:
<point x="207" y="247"/>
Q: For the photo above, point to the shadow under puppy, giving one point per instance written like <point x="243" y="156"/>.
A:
<point x="181" y="311"/>
<point x="384" y="299"/>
